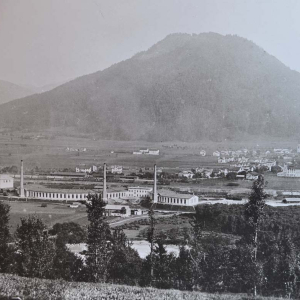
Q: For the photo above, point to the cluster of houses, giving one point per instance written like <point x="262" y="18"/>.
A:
<point x="232" y="153"/>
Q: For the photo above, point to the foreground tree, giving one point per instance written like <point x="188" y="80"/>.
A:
<point x="254" y="216"/>
<point x="4" y="237"/>
<point x="35" y="251"/>
<point x="68" y="233"/>
<point x="125" y="266"/>
<point x="99" y="240"/>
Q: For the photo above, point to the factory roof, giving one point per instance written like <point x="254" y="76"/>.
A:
<point x="68" y="174"/>
<point x="169" y="193"/>
<point x="44" y="189"/>
<point x="114" y="206"/>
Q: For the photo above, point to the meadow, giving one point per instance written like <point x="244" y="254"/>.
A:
<point x="53" y="213"/>
<point x="49" y="151"/>
<point x="37" y="289"/>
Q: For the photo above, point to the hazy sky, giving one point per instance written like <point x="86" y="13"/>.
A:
<point x="50" y="41"/>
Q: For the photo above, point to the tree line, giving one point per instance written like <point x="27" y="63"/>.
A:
<point x="240" y="249"/>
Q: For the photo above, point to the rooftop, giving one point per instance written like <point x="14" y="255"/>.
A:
<point x="44" y="189"/>
<point x="169" y="193"/>
<point x="5" y="176"/>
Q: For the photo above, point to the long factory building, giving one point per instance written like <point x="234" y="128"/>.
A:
<point x="161" y="197"/>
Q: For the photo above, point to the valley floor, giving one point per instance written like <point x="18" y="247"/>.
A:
<point x="32" y="288"/>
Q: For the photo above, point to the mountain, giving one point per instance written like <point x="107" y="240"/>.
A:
<point x="185" y="87"/>
<point x="10" y="91"/>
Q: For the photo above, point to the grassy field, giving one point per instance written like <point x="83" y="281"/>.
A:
<point x="53" y="213"/>
<point x="38" y="289"/>
<point x="50" y="151"/>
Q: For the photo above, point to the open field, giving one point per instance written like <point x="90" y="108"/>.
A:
<point x="37" y="289"/>
<point x="49" y="152"/>
<point x="53" y="213"/>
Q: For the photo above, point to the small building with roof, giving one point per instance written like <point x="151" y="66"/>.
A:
<point x="6" y="182"/>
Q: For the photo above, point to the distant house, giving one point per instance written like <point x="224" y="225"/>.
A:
<point x="186" y="174"/>
<point x="139" y="192"/>
<point x="146" y="151"/>
<point x="86" y="170"/>
<point x="289" y="172"/>
<point x="117" y="169"/>
<point x="117" y="210"/>
<point x="269" y="164"/>
<point x="252" y="176"/>
<point x="225" y="160"/>
<point x="122" y="211"/>
<point x="153" y="152"/>
<point x="6" y="182"/>
<point x="282" y="151"/>
<point x="203" y="153"/>
<point x="216" y="153"/>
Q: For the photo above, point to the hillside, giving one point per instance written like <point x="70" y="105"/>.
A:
<point x="10" y="91"/>
<point x="33" y="288"/>
<point x="184" y="88"/>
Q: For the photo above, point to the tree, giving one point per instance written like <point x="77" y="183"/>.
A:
<point x="35" y="251"/>
<point x="125" y="266"/>
<point x="69" y="233"/>
<point x="4" y="237"/>
<point x="99" y="238"/>
<point x="254" y="216"/>
<point x="231" y="176"/>
<point x="66" y="265"/>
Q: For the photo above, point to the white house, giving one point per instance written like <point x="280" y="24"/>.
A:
<point x="139" y="192"/>
<point x="216" y="153"/>
<point x="86" y="170"/>
<point x="153" y="152"/>
<point x="186" y="174"/>
<point x="6" y="182"/>
<point x="144" y="151"/>
<point x="286" y="172"/>
<point x="117" y="169"/>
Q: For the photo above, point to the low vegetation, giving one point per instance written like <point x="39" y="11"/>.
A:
<point x="36" y="289"/>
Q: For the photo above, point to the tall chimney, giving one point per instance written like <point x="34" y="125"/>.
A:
<point x="154" y="187"/>
<point x="104" y="196"/>
<point x="22" y="195"/>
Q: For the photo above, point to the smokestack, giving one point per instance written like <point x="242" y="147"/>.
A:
<point x="22" y="195"/>
<point x="104" y="196"/>
<point x="154" y="187"/>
